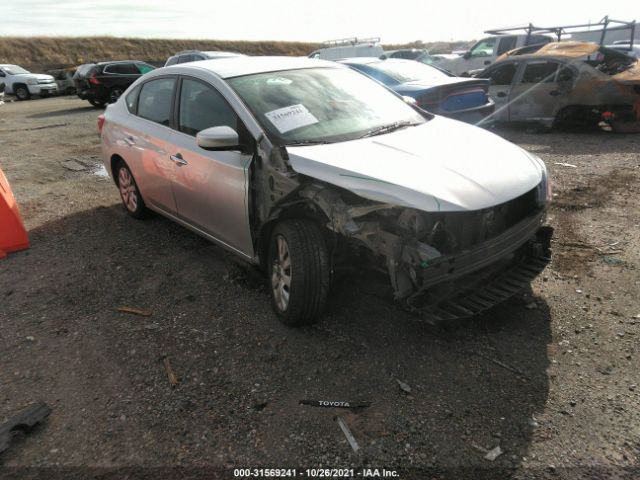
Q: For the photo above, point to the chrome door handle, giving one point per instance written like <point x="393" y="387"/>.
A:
<point x="178" y="159"/>
<point x="129" y="140"/>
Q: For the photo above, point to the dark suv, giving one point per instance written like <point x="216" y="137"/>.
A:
<point x="104" y="82"/>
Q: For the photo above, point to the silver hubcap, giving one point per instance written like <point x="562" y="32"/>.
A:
<point x="128" y="190"/>
<point x="281" y="274"/>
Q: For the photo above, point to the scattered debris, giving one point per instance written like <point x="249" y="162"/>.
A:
<point x="501" y="364"/>
<point x="609" y="260"/>
<point x="173" y="378"/>
<point x="403" y="386"/>
<point x="347" y="433"/>
<point x="135" y="311"/>
<point x="73" y="166"/>
<point x="23" y="421"/>
<point x="335" y="404"/>
<point x="493" y="454"/>
<point x="564" y="164"/>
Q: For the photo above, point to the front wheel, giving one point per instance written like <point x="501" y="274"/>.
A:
<point x="299" y="272"/>
<point x="22" y="93"/>
<point x="129" y="192"/>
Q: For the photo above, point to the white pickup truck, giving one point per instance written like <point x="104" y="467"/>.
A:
<point x="485" y="52"/>
<point x="23" y="84"/>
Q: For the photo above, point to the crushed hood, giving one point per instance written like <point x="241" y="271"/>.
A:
<point x="442" y="165"/>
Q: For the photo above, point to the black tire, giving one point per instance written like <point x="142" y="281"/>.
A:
<point x="96" y="103"/>
<point x="114" y="94"/>
<point x="22" y="92"/>
<point x="309" y="272"/>
<point x="129" y="193"/>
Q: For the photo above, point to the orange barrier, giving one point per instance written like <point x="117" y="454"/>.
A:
<point x="13" y="236"/>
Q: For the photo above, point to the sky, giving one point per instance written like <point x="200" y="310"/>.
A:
<point x="398" y="21"/>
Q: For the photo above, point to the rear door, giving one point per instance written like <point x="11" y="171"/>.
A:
<point x="211" y="187"/>
<point x="147" y="134"/>
<point x="540" y="91"/>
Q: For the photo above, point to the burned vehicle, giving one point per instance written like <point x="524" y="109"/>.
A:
<point x="567" y="83"/>
<point x="299" y="165"/>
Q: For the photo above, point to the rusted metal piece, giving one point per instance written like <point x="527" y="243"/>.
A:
<point x="23" y="421"/>
<point x="173" y="378"/>
<point x="135" y="311"/>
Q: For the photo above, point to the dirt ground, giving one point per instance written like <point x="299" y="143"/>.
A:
<point x="552" y="377"/>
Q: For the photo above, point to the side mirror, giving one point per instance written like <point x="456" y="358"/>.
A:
<point x="409" y="100"/>
<point x="467" y="55"/>
<point x="218" y="138"/>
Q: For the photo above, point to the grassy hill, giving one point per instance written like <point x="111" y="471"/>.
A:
<point x="42" y="53"/>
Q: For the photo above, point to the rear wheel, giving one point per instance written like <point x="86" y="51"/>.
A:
<point x="129" y="192"/>
<point x="96" y="103"/>
<point x="114" y="94"/>
<point x="299" y="272"/>
<point x="22" y="92"/>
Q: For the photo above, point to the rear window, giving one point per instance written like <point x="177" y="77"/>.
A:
<point x="122" y="69"/>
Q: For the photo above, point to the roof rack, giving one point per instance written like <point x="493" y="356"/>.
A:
<point x="349" y="41"/>
<point x="561" y="30"/>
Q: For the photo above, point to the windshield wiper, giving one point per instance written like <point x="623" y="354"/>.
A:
<point x="307" y="142"/>
<point x="388" y="128"/>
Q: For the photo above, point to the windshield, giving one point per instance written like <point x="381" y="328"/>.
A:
<point x="404" y="71"/>
<point x="321" y="104"/>
<point x="15" y="70"/>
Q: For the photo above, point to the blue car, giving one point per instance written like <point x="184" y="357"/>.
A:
<point x="433" y="89"/>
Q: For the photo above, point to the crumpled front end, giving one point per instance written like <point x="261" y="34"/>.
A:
<point x="447" y="265"/>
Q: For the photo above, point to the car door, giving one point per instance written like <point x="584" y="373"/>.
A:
<point x="146" y="134"/>
<point x="539" y="92"/>
<point x="210" y="187"/>
<point x="501" y="78"/>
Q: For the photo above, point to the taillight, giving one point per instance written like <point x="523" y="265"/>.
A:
<point x="93" y="79"/>
<point x="100" y="122"/>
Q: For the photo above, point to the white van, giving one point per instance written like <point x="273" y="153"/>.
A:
<point x="348" y="48"/>
<point x="485" y="52"/>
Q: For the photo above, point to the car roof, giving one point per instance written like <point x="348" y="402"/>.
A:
<point x="117" y="62"/>
<point x="366" y="60"/>
<point x="239" y="66"/>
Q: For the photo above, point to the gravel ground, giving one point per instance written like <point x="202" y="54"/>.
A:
<point x="551" y="377"/>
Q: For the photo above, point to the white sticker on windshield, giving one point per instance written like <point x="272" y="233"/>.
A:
<point x="290" y="118"/>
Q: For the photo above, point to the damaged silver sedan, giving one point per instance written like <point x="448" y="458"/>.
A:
<point x="297" y="164"/>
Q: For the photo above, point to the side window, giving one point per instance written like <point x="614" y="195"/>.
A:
<point x="144" y="68"/>
<point x="202" y="107"/>
<point x="172" y="61"/>
<point x="502" y="75"/>
<point x="132" y="100"/>
<point x="155" y="100"/>
<point x="185" y="58"/>
<point x="506" y="44"/>
<point x="484" y="48"/>
<point x="122" y="69"/>
<point x="540" y="72"/>
<point x="565" y="75"/>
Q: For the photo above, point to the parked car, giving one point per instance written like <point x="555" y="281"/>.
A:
<point x="433" y="89"/>
<point x="64" y="80"/>
<point x="23" y="84"/>
<point x="104" y="82"/>
<point x="303" y="166"/>
<point x="349" y="47"/>
<point x="196" y="55"/>
<point x="567" y="82"/>
<point x="406" y="53"/>
<point x="626" y="47"/>
<point x="486" y="51"/>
